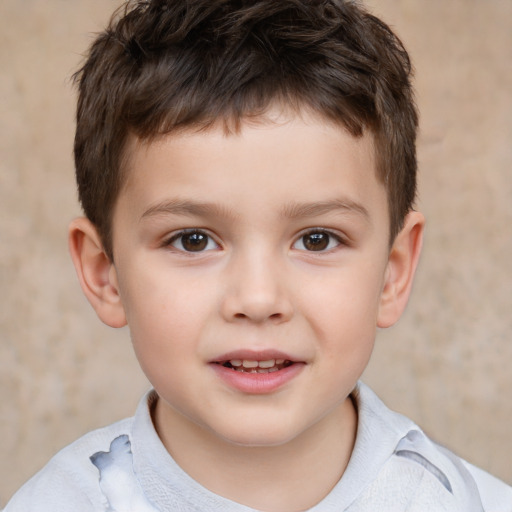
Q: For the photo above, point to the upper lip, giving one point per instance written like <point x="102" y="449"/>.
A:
<point x="254" y="355"/>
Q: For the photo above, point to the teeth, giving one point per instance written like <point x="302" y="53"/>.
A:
<point x="247" y="363"/>
<point x="251" y="366"/>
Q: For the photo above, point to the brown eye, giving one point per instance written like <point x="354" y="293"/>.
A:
<point x="193" y="241"/>
<point x="316" y="241"/>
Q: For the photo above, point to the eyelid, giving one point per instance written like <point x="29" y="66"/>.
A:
<point x="340" y="239"/>
<point x="176" y="235"/>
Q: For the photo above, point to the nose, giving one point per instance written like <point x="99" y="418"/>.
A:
<point x="256" y="291"/>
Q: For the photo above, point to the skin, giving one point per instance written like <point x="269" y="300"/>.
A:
<point x="258" y="198"/>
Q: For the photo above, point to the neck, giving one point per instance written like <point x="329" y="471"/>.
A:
<point x="294" y="476"/>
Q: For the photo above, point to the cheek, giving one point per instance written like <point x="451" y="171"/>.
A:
<point x="166" y="314"/>
<point x="342" y="312"/>
<point x="160" y="295"/>
<point x="343" y="302"/>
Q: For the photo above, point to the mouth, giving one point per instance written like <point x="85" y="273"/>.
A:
<point x="257" y="372"/>
<point x="255" y="366"/>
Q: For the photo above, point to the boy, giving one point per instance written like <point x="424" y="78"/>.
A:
<point x="247" y="171"/>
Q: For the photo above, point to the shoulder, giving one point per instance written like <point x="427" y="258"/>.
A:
<point x="448" y="478"/>
<point x="411" y="467"/>
<point x="70" y="480"/>
<point x="496" y="495"/>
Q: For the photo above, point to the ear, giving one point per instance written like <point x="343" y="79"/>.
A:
<point x="96" y="273"/>
<point x="402" y="263"/>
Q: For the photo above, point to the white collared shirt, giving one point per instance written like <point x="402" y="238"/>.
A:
<point x="394" y="467"/>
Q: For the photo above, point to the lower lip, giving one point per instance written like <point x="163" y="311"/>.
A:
<point x="257" y="383"/>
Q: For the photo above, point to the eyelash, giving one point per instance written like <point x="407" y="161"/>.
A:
<point x="208" y="240"/>
<point x="183" y="233"/>
<point x="321" y="231"/>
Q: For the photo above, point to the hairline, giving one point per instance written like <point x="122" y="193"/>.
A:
<point x="233" y="126"/>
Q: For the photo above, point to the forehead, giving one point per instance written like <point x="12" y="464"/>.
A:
<point x="283" y="155"/>
<point x="294" y="121"/>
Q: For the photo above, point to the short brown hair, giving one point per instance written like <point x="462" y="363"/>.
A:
<point x="163" y="65"/>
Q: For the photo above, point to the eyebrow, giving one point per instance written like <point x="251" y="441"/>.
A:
<point x="187" y="208"/>
<point x="292" y="211"/>
<point x="314" y="209"/>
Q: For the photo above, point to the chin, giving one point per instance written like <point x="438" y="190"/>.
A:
<point x="258" y="434"/>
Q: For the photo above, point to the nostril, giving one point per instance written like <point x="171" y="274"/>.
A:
<point x="274" y="316"/>
<point x="256" y="308"/>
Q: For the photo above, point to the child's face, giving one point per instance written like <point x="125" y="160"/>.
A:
<point x="268" y="245"/>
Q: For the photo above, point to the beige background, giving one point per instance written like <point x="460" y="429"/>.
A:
<point x="447" y="364"/>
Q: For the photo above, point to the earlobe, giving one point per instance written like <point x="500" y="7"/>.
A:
<point x="96" y="273"/>
<point x="402" y="263"/>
